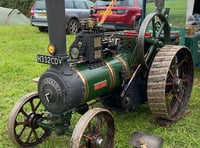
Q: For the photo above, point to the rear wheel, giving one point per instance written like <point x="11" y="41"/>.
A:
<point x="170" y="82"/>
<point x="73" y="26"/>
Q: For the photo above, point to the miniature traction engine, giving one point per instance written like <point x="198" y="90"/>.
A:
<point x="120" y="69"/>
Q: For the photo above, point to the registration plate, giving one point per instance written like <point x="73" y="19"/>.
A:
<point x="102" y="12"/>
<point x="53" y="60"/>
<point x="42" y="15"/>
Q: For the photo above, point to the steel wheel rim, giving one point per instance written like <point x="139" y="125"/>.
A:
<point x="97" y="132"/>
<point x="178" y="85"/>
<point x="170" y="83"/>
<point x="22" y="127"/>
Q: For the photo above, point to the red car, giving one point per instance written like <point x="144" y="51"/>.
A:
<point x="126" y="14"/>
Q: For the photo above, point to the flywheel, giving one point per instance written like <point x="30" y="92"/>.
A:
<point x="170" y="82"/>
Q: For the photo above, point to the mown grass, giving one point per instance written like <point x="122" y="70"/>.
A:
<point x="19" y="46"/>
<point x="177" y="15"/>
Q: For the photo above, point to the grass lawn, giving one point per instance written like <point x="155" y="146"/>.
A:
<point x="19" y="46"/>
<point x="177" y="13"/>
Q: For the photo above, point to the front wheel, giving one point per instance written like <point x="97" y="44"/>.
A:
<point x="73" y="26"/>
<point x="22" y="122"/>
<point x="95" y="129"/>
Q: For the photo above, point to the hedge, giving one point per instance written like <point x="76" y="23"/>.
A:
<point x="23" y="5"/>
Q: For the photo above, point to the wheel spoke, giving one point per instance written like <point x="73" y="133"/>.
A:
<point x="180" y="63"/>
<point x="23" y="112"/>
<point x="32" y="106"/>
<point x="176" y="66"/>
<point x="171" y="73"/>
<point x="173" y="68"/>
<point x="22" y="123"/>
<point x="184" y="80"/>
<point x="35" y="133"/>
<point x="22" y="131"/>
<point x="160" y="30"/>
<point x="37" y="105"/>
<point x="177" y="98"/>
<point x="169" y="83"/>
<point x="29" y="136"/>
<point x="88" y="137"/>
<point x="154" y="27"/>
<point x="99" y="124"/>
<point x="184" y="87"/>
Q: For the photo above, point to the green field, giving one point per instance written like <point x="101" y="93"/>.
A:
<point x="19" y="46"/>
<point x="177" y="13"/>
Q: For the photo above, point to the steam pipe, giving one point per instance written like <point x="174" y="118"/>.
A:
<point x="57" y="25"/>
<point x="144" y="9"/>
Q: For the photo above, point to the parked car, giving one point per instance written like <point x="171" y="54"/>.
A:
<point x="75" y="11"/>
<point x="126" y="14"/>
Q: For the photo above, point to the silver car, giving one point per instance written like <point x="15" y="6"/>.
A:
<point x="75" y="11"/>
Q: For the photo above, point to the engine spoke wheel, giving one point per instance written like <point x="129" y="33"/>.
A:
<point x="170" y="82"/>
<point x="157" y="25"/>
<point x="22" y="122"/>
<point x="95" y="129"/>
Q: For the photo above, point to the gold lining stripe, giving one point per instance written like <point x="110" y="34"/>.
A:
<point x="85" y="83"/>
<point x="112" y="76"/>
<point x="125" y="65"/>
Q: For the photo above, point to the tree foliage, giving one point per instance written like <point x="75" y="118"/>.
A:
<point x="23" y="5"/>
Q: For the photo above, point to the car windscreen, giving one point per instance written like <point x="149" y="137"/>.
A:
<point x="40" y="5"/>
<point x="118" y="3"/>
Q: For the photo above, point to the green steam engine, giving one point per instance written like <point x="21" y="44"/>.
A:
<point x="120" y="69"/>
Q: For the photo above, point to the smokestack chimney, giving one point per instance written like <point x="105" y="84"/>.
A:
<point x="57" y="25"/>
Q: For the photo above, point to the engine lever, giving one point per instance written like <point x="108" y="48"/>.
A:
<point x="130" y="81"/>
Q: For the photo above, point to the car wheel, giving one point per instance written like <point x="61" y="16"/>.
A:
<point x="73" y="26"/>
<point x="43" y="29"/>
<point x="137" y="23"/>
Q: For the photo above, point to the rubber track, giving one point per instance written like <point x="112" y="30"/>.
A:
<point x="157" y="80"/>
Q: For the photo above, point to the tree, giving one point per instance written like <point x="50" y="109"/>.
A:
<point x="23" y="5"/>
